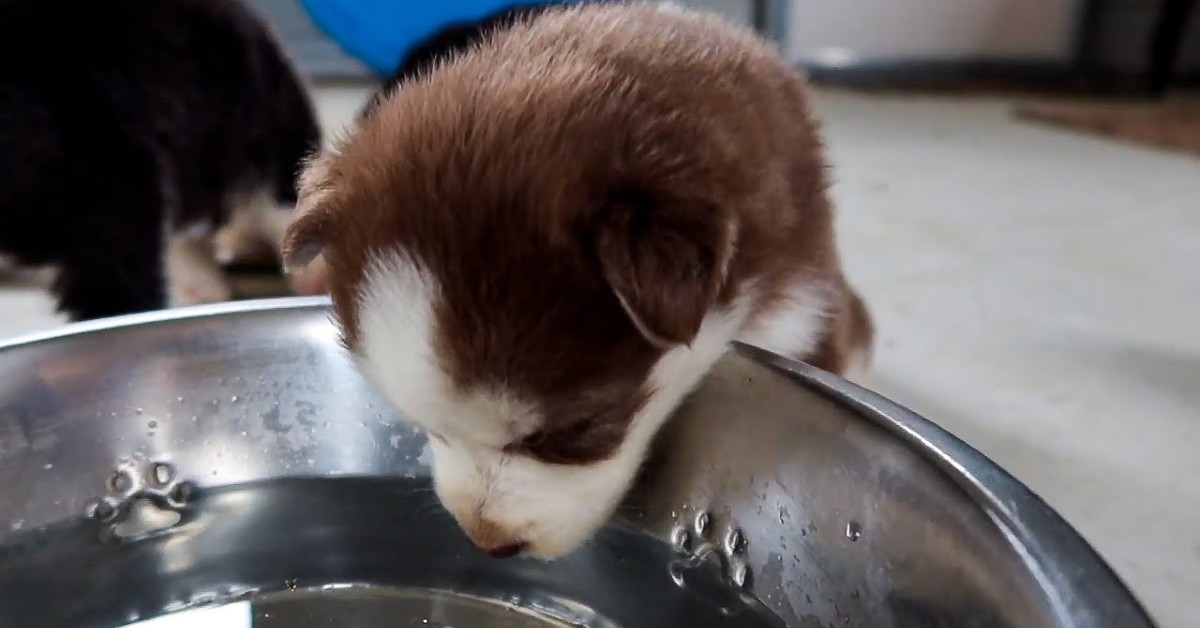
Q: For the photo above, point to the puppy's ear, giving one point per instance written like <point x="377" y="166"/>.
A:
<point x="666" y="261"/>
<point x="305" y="237"/>
<point x="304" y="240"/>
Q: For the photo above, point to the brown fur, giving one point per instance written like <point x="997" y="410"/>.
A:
<point x="850" y="335"/>
<point x="593" y="153"/>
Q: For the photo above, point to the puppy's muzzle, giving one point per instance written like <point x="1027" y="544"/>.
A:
<point x="493" y="539"/>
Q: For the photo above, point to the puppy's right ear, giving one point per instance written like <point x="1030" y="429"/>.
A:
<point x="304" y="240"/>
<point x="305" y="237"/>
<point x="666" y="261"/>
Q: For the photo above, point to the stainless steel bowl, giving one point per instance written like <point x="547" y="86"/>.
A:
<point x="161" y="462"/>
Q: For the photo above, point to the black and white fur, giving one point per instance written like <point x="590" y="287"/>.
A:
<point x="131" y="130"/>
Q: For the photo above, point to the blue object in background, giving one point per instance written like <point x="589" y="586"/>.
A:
<point x="380" y="32"/>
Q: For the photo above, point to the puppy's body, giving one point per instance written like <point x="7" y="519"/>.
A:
<point x="172" y="117"/>
<point x="537" y="250"/>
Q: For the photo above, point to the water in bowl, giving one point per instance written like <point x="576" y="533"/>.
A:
<point x="351" y="553"/>
<point x="358" y="607"/>
<point x="375" y="606"/>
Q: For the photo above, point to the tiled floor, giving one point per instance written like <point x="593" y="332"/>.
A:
<point x="1037" y="293"/>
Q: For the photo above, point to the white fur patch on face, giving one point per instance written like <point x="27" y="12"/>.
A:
<point x="551" y="509"/>
<point x="793" y="327"/>
<point x="555" y="508"/>
<point x="397" y="353"/>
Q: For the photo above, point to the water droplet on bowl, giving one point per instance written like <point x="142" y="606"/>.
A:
<point x="703" y="520"/>
<point x="137" y="410"/>
<point x="47" y="466"/>
<point x="152" y="424"/>
<point x="853" y="531"/>
<point x="234" y="399"/>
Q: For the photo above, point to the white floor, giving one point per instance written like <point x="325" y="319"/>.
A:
<point x="1038" y="294"/>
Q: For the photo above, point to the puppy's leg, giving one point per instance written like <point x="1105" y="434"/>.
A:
<point x="194" y="277"/>
<point x="240" y="240"/>
<point x="272" y="221"/>
<point x="98" y="281"/>
<point x="109" y="240"/>
<point x="254" y="229"/>
<point x="847" y="344"/>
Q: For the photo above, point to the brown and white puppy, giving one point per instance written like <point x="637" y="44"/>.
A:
<point x="537" y="250"/>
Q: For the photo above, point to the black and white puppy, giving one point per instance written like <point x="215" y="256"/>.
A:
<point x="130" y="131"/>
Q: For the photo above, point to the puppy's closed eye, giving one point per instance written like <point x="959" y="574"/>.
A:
<point x="580" y="443"/>
<point x="528" y="445"/>
<point x="531" y="440"/>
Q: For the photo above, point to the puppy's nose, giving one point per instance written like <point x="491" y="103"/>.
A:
<point x="504" y="551"/>
<point x="492" y="538"/>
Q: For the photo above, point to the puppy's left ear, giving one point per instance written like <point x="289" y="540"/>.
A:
<point x="666" y="261"/>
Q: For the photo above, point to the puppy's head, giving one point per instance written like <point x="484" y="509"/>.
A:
<point x="536" y="287"/>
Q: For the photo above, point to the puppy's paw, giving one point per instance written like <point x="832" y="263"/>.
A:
<point x="198" y="289"/>
<point x="192" y="276"/>
<point x="239" y="242"/>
